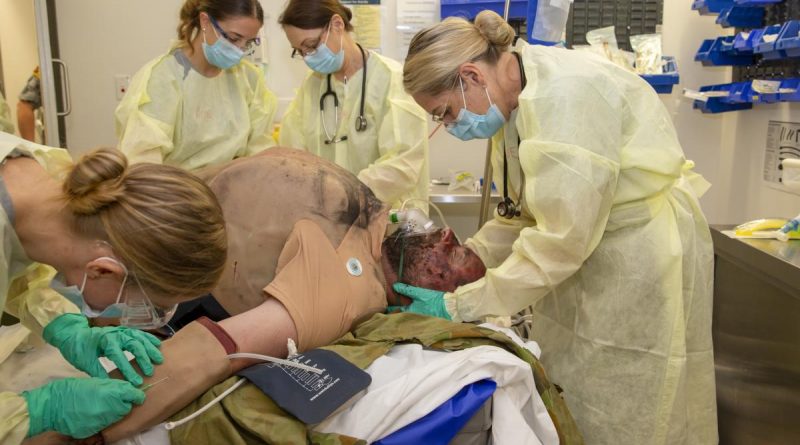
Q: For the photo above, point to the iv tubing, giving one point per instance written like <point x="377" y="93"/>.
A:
<point x="266" y="358"/>
<point x="172" y="425"/>
<point x="278" y="361"/>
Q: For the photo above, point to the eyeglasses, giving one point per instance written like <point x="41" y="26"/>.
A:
<point x="309" y="50"/>
<point x="248" y="46"/>
<point x="440" y="118"/>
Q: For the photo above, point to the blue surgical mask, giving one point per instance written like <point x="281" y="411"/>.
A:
<point x="323" y="60"/>
<point x="222" y="54"/>
<point x="75" y="295"/>
<point x="469" y="125"/>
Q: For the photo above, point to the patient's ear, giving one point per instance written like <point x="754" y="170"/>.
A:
<point x="448" y="236"/>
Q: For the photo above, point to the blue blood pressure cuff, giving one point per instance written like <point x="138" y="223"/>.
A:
<point x="306" y="395"/>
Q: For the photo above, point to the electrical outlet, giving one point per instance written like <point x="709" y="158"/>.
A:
<point x="121" y="82"/>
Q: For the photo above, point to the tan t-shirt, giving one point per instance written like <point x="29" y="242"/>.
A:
<point x="294" y="223"/>
<point x="327" y="289"/>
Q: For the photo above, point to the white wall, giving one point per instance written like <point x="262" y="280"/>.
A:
<point x="100" y="39"/>
<point x="18" y="48"/>
<point x="749" y="196"/>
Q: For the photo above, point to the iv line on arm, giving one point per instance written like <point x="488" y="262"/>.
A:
<point x="172" y="425"/>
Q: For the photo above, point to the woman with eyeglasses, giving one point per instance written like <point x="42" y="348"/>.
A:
<point x="201" y="104"/>
<point x="600" y="229"/>
<point x="128" y="242"/>
<point x="352" y="109"/>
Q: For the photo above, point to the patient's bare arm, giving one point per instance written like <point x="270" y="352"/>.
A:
<point x="195" y="359"/>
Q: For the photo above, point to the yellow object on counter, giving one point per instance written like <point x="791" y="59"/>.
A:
<point x="759" y="228"/>
<point x="762" y="228"/>
<point x="759" y="225"/>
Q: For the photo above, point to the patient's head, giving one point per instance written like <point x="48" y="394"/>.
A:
<point x="434" y="261"/>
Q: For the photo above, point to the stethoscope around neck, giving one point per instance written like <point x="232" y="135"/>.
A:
<point x="361" y="121"/>
<point x="507" y="208"/>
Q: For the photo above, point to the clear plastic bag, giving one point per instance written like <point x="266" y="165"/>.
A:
<point x="603" y="41"/>
<point x="551" y="20"/>
<point x="461" y="180"/>
<point x="647" y="48"/>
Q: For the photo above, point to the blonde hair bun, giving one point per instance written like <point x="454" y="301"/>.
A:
<point x="494" y="29"/>
<point x="96" y="181"/>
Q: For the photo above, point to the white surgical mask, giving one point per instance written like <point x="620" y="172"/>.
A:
<point x="135" y="311"/>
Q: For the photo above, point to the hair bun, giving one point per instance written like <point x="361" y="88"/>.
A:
<point x="96" y="181"/>
<point x="495" y="29"/>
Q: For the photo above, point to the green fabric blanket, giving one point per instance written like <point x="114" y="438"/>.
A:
<point x="247" y="416"/>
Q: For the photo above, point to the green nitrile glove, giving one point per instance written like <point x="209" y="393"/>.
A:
<point x="426" y="301"/>
<point x="82" y="345"/>
<point x="79" y="408"/>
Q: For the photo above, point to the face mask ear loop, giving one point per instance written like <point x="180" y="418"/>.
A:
<point x="463" y="96"/>
<point x="486" y="88"/>
<point x="328" y="33"/>
<point x="124" y="279"/>
<point x="83" y="284"/>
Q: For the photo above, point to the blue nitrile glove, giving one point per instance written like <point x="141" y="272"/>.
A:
<point x="82" y="346"/>
<point x="426" y="301"/>
<point x="79" y="408"/>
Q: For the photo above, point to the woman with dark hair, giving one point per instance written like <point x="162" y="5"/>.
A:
<point x="352" y="109"/>
<point x="201" y="104"/>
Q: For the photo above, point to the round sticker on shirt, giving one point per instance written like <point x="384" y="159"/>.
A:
<point x="354" y="267"/>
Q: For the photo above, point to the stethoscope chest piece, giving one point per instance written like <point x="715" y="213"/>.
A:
<point x="361" y="123"/>
<point x="508" y="209"/>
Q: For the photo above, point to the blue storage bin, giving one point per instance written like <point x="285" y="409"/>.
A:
<point x="761" y="3"/>
<point x="789" y="40"/>
<point x="721" y="51"/>
<point x="768" y="98"/>
<point x="740" y="43"/>
<point x="708" y="7"/>
<point x="754" y="38"/>
<point x="470" y="8"/>
<point x="743" y="93"/>
<point x="741" y="17"/>
<point x="719" y="104"/>
<point x="790" y="84"/>
<point x="767" y="41"/>
<point x="663" y="83"/>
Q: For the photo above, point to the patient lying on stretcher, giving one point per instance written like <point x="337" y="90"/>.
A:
<point x="307" y="260"/>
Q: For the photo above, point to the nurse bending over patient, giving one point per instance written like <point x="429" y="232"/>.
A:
<point x="141" y="238"/>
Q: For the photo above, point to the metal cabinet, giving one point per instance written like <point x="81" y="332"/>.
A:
<point x="756" y="331"/>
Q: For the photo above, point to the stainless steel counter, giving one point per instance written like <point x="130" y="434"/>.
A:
<point x="756" y="332"/>
<point x="440" y="195"/>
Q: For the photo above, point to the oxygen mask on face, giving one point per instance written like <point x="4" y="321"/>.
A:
<point x="412" y="221"/>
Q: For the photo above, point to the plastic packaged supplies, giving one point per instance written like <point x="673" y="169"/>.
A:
<point x="647" y="48"/>
<point x="603" y="41"/>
